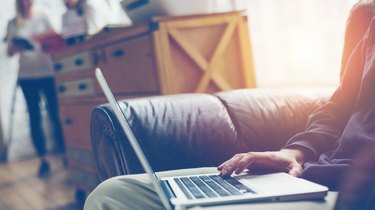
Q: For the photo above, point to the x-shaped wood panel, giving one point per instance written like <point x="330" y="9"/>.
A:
<point x="207" y="66"/>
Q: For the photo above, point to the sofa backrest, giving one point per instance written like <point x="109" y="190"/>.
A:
<point x="196" y="130"/>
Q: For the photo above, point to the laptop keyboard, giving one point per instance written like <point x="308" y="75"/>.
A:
<point x="211" y="186"/>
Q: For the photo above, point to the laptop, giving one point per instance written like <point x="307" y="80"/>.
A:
<point x="181" y="192"/>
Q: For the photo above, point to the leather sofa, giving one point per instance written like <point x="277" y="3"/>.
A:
<point x="198" y="130"/>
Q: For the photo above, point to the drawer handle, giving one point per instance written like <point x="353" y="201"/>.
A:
<point x="62" y="88"/>
<point x="98" y="56"/>
<point x="78" y="62"/>
<point x="68" y="121"/>
<point x="118" y="53"/>
<point x="58" y="67"/>
<point x="82" y="86"/>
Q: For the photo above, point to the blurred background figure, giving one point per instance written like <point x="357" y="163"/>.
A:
<point x="90" y="16"/>
<point x="74" y="27"/>
<point x="35" y="75"/>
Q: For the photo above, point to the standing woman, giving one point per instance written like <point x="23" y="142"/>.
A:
<point x="74" y="27"/>
<point x="87" y="17"/>
<point x="35" y="75"/>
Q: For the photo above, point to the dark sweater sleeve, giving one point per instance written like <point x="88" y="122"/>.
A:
<point x="326" y="124"/>
<point x="356" y="26"/>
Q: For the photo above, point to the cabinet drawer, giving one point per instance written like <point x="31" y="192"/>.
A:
<point x="76" y="124"/>
<point x="74" y="63"/>
<point x="129" y="66"/>
<point x="77" y="88"/>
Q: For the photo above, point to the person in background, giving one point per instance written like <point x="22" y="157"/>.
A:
<point x="90" y="16"/>
<point x="35" y="75"/>
<point x="74" y="27"/>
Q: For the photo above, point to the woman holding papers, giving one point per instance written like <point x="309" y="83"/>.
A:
<point x="35" y="74"/>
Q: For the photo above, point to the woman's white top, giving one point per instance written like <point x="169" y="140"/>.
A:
<point x="34" y="63"/>
<point x="73" y="24"/>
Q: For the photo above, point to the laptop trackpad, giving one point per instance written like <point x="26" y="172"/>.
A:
<point x="277" y="183"/>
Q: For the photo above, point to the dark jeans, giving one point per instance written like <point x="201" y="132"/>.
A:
<point x="33" y="89"/>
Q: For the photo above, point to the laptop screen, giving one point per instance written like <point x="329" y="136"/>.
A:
<point x="129" y="133"/>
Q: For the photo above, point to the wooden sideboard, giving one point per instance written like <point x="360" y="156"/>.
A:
<point x="170" y="55"/>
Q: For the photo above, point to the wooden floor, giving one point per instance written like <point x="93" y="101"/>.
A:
<point x="21" y="189"/>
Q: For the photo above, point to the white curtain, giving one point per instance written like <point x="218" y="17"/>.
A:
<point x="296" y="42"/>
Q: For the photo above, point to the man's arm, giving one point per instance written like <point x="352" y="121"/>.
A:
<point x="357" y="24"/>
<point x="325" y="125"/>
<point x="324" y="129"/>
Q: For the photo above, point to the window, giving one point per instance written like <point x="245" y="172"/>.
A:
<point x="297" y="42"/>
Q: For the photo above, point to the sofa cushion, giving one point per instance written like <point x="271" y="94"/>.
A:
<point x="266" y="118"/>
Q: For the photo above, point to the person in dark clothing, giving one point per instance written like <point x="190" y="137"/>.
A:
<point x="340" y="128"/>
<point x="35" y="75"/>
<point x="335" y="132"/>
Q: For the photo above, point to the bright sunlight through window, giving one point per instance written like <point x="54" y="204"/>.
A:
<point x="297" y="43"/>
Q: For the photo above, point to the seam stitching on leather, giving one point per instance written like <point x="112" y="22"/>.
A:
<point x="118" y="148"/>
<point x="232" y="118"/>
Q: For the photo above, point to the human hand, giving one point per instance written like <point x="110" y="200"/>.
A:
<point x="287" y="160"/>
<point x="12" y="50"/>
